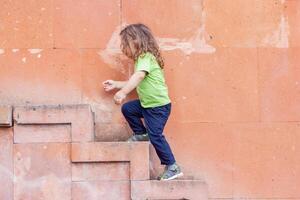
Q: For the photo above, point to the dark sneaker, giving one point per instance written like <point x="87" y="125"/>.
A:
<point x="171" y="172"/>
<point x="138" y="137"/>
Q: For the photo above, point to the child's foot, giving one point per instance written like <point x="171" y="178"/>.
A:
<point x="159" y="176"/>
<point x="138" y="137"/>
<point x="171" y="172"/>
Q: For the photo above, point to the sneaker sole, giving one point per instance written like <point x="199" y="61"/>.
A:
<point x="173" y="177"/>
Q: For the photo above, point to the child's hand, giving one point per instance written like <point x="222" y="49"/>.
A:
<point x="119" y="97"/>
<point x="109" y="85"/>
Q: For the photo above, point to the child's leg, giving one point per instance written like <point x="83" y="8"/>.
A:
<point x="155" y="120"/>
<point x="132" y="112"/>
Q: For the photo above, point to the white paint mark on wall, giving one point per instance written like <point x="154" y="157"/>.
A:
<point x="196" y="43"/>
<point x="2" y="51"/>
<point x="112" y="53"/>
<point x="15" y="50"/>
<point x="280" y="37"/>
<point x="24" y="60"/>
<point x="39" y="55"/>
<point x="35" y="51"/>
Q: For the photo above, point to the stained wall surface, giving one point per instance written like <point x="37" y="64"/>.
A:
<point x="232" y="67"/>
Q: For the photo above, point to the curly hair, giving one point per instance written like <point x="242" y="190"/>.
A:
<point x="143" y="41"/>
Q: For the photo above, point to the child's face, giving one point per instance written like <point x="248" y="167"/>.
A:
<point x="126" y="50"/>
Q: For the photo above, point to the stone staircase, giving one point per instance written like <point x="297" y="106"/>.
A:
<point x="54" y="156"/>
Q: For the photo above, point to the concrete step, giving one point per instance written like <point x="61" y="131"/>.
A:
<point x="97" y="170"/>
<point x="171" y="190"/>
<point x="136" y="153"/>
<point x="5" y="116"/>
<point x="79" y="117"/>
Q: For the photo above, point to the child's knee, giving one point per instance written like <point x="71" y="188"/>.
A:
<point x="124" y="109"/>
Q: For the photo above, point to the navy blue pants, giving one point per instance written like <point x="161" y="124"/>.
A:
<point x="155" y="120"/>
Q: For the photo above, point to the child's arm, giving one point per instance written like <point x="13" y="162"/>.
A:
<point x="132" y="83"/>
<point x="120" y="84"/>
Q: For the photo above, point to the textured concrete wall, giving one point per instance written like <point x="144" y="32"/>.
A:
<point x="232" y="68"/>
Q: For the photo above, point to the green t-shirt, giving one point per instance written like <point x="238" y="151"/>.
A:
<point x="152" y="90"/>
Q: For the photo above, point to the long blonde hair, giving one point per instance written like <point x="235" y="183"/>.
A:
<point x="143" y="41"/>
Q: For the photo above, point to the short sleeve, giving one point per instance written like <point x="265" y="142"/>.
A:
<point x="143" y="63"/>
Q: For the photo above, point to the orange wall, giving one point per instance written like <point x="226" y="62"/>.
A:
<point x="233" y="70"/>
